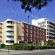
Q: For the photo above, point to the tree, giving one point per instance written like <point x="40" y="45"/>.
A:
<point x="29" y="4"/>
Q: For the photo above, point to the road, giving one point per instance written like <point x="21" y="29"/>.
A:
<point x="34" y="52"/>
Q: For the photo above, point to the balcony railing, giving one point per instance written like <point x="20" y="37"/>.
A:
<point x="9" y="34"/>
<point x="9" y="38"/>
<point x="9" y="29"/>
<point x="9" y="24"/>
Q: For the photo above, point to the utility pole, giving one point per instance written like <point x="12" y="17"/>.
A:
<point x="28" y="18"/>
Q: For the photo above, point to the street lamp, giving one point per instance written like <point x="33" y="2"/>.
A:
<point x="28" y="18"/>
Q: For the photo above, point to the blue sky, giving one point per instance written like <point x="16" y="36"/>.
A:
<point x="12" y="10"/>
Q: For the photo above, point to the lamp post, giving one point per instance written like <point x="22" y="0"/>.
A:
<point x="28" y="18"/>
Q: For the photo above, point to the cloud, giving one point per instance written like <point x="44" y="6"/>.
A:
<point x="33" y="16"/>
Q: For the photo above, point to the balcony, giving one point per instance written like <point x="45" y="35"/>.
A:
<point x="22" y="38"/>
<point x="26" y="26"/>
<point x="51" y="32"/>
<point x="9" y="38"/>
<point x="9" y="24"/>
<point x="9" y="43"/>
<point x="9" y="29"/>
<point x="9" y="34"/>
<point x="27" y="31"/>
<point x="48" y="35"/>
<point x="31" y="35"/>
<point x="30" y="31"/>
<point x="50" y="28"/>
<point x="22" y="34"/>
<point x="22" y="30"/>
<point x="53" y="36"/>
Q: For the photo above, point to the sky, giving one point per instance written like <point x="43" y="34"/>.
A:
<point x="13" y="10"/>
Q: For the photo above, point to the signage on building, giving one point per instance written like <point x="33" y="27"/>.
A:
<point x="19" y="37"/>
<point x="42" y="42"/>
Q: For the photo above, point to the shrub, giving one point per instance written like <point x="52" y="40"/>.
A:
<point x="17" y="47"/>
<point x="25" y="47"/>
<point x="28" y="47"/>
<point x="31" y="47"/>
<point x="49" y="46"/>
<point x="2" y="45"/>
<point x="53" y="47"/>
<point x="15" y="44"/>
<point x="9" y="47"/>
<point x="36" y="47"/>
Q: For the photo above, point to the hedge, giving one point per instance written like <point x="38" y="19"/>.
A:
<point x="27" y="47"/>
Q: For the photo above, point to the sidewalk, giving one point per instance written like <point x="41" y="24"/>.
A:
<point x="12" y="52"/>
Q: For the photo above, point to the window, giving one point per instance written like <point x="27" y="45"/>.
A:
<point x="26" y="33"/>
<point x="30" y="30"/>
<point x="37" y="31"/>
<point x="30" y="34"/>
<point x="10" y="41"/>
<point x="43" y="36"/>
<point x="26" y="25"/>
<point x="47" y="33"/>
<point x="34" y="38"/>
<point x="37" y="38"/>
<point x="26" y="29"/>
<point x="37" y="27"/>
<point x="40" y="35"/>
<point x="34" y="27"/>
<point x="22" y="28"/>
<point x="40" y="32"/>
<point x="34" y="31"/>
<point x="37" y="35"/>
<point x="22" y="24"/>
<point x="30" y="26"/>
<point x="40" y="29"/>
<point x="26" y="37"/>
<point x="30" y="38"/>
<point x="22" y="37"/>
<point x="22" y="32"/>
<point x="10" y="27"/>
<point x="34" y="34"/>
<point x="11" y="32"/>
<point x="10" y="22"/>
<point x="40" y="39"/>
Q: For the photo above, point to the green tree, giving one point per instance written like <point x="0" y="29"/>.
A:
<point x="29" y="4"/>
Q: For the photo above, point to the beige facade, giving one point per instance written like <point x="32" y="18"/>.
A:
<point x="10" y="31"/>
<point x="1" y="32"/>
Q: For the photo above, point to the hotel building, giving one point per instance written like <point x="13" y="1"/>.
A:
<point x="48" y="25"/>
<point x="12" y="31"/>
